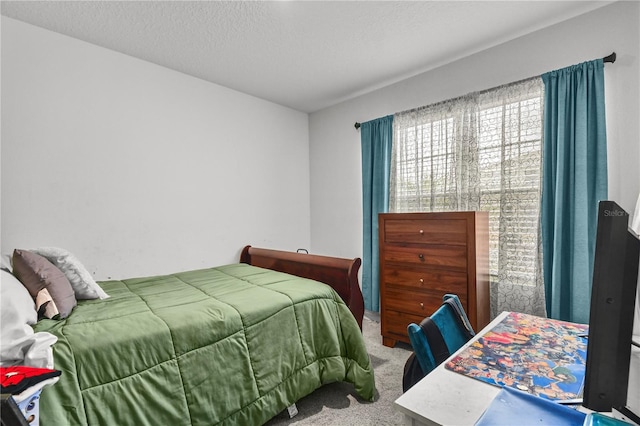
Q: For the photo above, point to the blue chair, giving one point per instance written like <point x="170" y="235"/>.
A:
<point x="454" y="326"/>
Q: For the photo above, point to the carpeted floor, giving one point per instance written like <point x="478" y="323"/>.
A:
<point x="338" y="404"/>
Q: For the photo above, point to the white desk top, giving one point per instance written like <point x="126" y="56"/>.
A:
<point x="447" y="398"/>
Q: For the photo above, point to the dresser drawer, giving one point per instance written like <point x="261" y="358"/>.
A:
<point x="418" y="303"/>
<point x="442" y="281"/>
<point x="426" y="231"/>
<point x="396" y="324"/>
<point x="447" y="256"/>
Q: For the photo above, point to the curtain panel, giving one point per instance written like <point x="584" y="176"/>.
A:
<point x="575" y="180"/>
<point x="376" y="140"/>
<point x="482" y="152"/>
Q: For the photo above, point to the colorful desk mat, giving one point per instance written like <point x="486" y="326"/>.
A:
<point x="541" y="356"/>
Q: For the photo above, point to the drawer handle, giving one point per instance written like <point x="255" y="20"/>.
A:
<point x="421" y="305"/>
<point x="421" y="256"/>
<point x="421" y="231"/>
<point x="421" y="281"/>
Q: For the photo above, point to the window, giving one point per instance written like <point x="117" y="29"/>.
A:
<point x="481" y="152"/>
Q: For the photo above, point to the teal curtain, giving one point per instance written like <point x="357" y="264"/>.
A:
<point x="574" y="180"/>
<point x="376" y="138"/>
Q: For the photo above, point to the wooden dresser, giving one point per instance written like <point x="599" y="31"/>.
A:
<point x="423" y="256"/>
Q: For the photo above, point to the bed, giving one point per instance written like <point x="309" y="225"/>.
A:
<point x="233" y="344"/>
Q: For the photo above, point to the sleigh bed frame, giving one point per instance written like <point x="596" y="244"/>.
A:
<point x="341" y="274"/>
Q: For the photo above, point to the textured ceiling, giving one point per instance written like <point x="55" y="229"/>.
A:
<point x="306" y="55"/>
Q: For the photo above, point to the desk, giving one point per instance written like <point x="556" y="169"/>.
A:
<point x="541" y="356"/>
<point x="447" y="398"/>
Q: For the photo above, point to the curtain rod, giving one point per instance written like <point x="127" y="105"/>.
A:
<point x="610" y="58"/>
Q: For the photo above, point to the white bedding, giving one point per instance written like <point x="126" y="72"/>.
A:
<point x="19" y="345"/>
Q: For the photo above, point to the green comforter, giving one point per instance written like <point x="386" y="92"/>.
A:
<point x="234" y="344"/>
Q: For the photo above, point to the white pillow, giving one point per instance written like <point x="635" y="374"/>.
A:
<point x="5" y="263"/>
<point x="19" y="345"/>
<point x="84" y="286"/>
<point x="17" y="313"/>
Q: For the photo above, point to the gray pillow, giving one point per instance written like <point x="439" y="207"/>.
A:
<point x="38" y="275"/>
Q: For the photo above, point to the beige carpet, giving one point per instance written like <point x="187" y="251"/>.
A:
<point x="338" y="404"/>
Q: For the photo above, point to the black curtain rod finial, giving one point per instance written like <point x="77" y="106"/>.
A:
<point x="357" y="125"/>
<point x="611" y="58"/>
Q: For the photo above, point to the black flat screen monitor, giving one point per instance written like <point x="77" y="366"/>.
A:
<point x="613" y="295"/>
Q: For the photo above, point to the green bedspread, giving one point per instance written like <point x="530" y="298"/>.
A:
<point x="234" y="344"/>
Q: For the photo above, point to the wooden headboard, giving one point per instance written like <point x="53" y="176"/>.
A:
<point x="341" y="274"/>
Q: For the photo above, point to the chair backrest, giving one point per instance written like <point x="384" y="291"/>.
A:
<point x="453" y="325"/>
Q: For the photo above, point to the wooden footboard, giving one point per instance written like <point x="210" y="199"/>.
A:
<point x="340" y="274"/>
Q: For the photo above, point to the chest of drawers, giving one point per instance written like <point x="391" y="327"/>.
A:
<point x="426" y="255"/>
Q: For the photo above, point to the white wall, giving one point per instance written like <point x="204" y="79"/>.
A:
<point x="138" y="169"/>
<point x="336" y="201"/>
